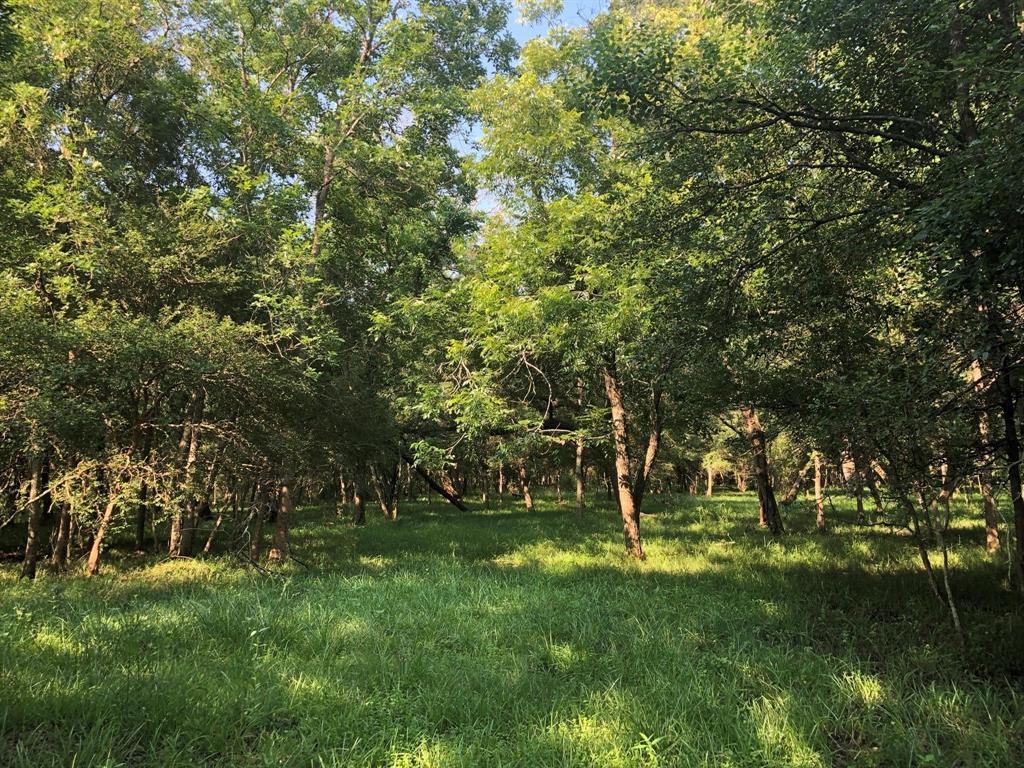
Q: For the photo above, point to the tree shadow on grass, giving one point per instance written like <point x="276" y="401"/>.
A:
<point x="475" y="661"/>
<point x="468" y="639"/>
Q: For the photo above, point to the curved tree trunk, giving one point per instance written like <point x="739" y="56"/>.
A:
<point x="871" y="480"/>
<point x="643" y="473"/>
<point x="797" y="479"/>
<point x="93" y="565"/>
<point x="220" y="518"/>
<point x="623" y="474"/>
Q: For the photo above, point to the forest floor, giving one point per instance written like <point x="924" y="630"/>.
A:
<point x="506" y="638"/>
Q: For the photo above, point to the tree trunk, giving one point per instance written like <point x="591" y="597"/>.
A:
<point x="344" y="494"/>
<point x="524" y="481"/>
<point x="178" y="520"/>
<point x="991" y="513"/>
<point x="188" y="447"/>
<point x="769" y="510"/>
<point x="93" y="566"/>
<point x="188" y="533"/>
<point x="969" y="134"/>
<point x="320" y="199"/>
<point x="858" y="494"/>
<point x="205" y="507"/>
<point x="35" y="511"/>
<point x="220" y="519"/>
<point x="1006" y="402"/>
<point x="256" y="545"/>
<point x="945" y="492"/>
<point x="59" y="556"/>
<point x="922" y="546"/>
<point x="797" y="479"/>
<point x="579" y="470"/>
<point x="410" y="490"/>
<point x="385" y="486"/>
<point x="623" y="469"/>
<point x="444" y="486"/>
<point x="819" y="499"/>
<point x="988" y="500"/>
<point x="580" y="478"/>
<point x="710" y="488"/>
<point x="279" y="549"/>
<point x="643" y="473"/>
<point x="871" y="479"/>
<point x="140" y="519"/>
<point x="358" y="505"/>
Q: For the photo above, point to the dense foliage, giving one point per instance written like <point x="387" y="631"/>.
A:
<point x="713" y="242"/>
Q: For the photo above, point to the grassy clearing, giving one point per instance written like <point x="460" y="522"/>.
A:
<point x="506" y="638"/>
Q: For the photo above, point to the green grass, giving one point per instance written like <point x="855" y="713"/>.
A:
<point x="505" y="638"/>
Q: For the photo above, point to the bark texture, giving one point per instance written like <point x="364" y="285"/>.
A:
<point x="524" y="482"/>
<point x="93" y="565"/>
<point x="35" y="513"/>
<point x="623" y="475"/>
<point x="769" y="509"/>
<point x="279" y="549"/>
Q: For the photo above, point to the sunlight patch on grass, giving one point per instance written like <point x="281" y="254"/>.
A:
<point x="179" y="570"/>
<point x="863" y="690"/>
<point x="781" y="741"/>
<point x="426" y="755"/>
<point x="595" y="740"/>
<point x="506" y="639"/>
<point x="57" y="641"/>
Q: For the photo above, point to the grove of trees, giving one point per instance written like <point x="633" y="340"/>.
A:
<point x="248" y="261"/>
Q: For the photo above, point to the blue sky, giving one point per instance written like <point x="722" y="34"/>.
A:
<point x="574" y="13"/>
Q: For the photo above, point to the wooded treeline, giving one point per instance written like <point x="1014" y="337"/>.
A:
<point x="770" y="241"/>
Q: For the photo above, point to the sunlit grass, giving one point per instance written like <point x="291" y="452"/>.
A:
<point x="505" y="638"/>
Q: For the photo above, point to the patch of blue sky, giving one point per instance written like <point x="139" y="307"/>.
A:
<point x="574" y="13"/>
